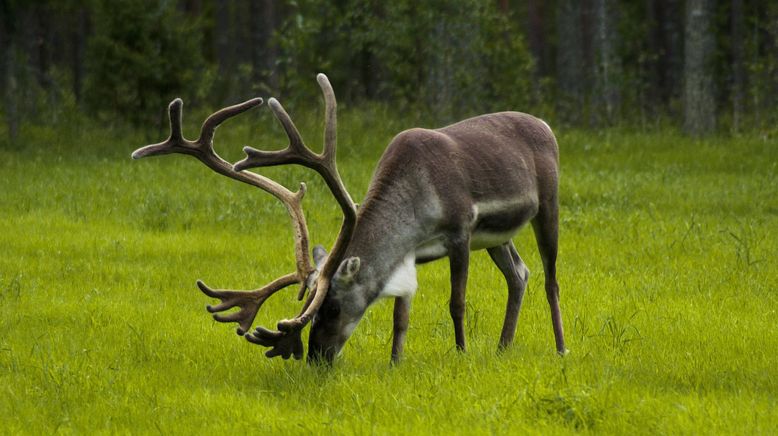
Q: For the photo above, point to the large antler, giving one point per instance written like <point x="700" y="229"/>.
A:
<point x="202" y="149"/>
<point x="288" y="334"/>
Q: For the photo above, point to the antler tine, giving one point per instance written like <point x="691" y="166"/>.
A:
<point x="296" y="142"/>
<point x="175" y="143"/>
<point x="247" y="301"/>
<point x="210" y="124"/>
<point x="334" y="182"/>
<point x="330" y="117"/>
<point x="295" y="153"/>
<point x="174" y="114"/>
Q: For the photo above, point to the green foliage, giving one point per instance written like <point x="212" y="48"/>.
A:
<point x="141" y="56"/>
<point x="438" y="60"/>
<point x="448" y="58"/>
<point x="666" y="267"/>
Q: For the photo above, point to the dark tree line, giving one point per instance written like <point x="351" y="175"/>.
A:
<point x="709" y="65"/>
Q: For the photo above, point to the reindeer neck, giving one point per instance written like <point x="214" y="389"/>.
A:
<point x="385" y="234"/>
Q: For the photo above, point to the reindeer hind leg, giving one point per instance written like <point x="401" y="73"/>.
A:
<point x="516" y="275"/>
<point x="546" y="227"/>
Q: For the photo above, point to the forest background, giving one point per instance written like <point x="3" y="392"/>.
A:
<point x="700" y="65"/>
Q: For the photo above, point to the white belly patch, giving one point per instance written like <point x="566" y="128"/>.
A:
<point x="431" y="249"/>
<point x="481" y="240"/>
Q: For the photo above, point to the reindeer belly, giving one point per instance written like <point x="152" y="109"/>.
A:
<point x="494" y="223"/>
<point x="482" y="240"/>
<point x="432" y="249"/>
<point x="484" y="236"/>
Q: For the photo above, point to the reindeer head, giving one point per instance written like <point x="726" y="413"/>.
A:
<point x="339" y="314"/>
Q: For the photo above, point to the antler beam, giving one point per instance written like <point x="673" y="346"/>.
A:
<point x="285" y="341"/>
<point x="202" y="149"/>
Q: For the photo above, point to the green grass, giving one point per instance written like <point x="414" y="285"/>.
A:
<point x="667" y="271"/>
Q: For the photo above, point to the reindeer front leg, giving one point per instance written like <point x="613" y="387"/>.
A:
<point x="459" y="260"/>
<point x="402" y="308"/>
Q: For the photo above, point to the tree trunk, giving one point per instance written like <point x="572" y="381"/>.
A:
<point x="606" y="65"/>
<point x="653" y="84"/>
<point x="192" y="7"/>
<point x="42" y="40"/>
<point x="271" y="53"/>
<point x="78" y="52"/>
<point x="536" y="37"/>
<point x="699" y="95"/>
<point x="5" y="45"/>
<point x="11" y="91"/>
<point x="663" y="82"/>
<point x="240" y="40"/>
<point x="770" y="56"/>
<point x="8" y="71"/>
<point x="223" y="48"/>
<point x="569" y="60"/>
<point x="453" y="50"/>
<point x="221" y="35"/>
<point x="263" y="50"/>
<point x="672" y="50"/>
<point x="586" y="76"/>
<point x="439" y="81"/>
<point x="257" y="43"/>
<point x="738" y="66"/>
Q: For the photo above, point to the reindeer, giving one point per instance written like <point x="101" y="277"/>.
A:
<point x="435" y="193"/>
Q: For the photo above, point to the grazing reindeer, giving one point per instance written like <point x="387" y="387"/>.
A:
<point x="436" y="193"/>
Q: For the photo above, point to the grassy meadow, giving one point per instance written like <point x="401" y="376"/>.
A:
<point x="667" y="268"/>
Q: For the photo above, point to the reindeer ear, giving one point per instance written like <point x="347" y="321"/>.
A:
<point x="347" y="270"/>
<point x="319" y="256"/>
